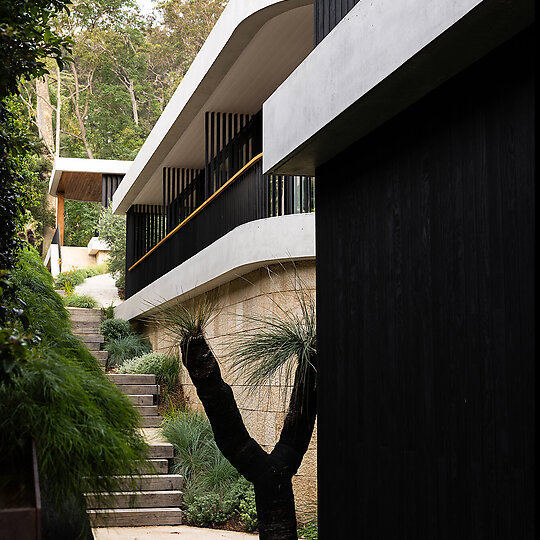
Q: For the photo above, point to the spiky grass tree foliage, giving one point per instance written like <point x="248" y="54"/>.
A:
<point x="85" y="429"/>
<point x="285" y="340"/>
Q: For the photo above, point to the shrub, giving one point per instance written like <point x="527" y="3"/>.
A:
<point x="248" y="510"/>
<point x="108" y="312"/>
<point x="85" y="429"/>
<point x="80" y="300"/>
<point x="112" y="229"/>
<point x="165" y="368"/>
<point x="124" y="348"/>
<point x="77" y="276"/>
<point x="214" y="490"/>
<point x="309" y="531"/>
<point x="206" y="509"/>
<point x="113" y="329"/>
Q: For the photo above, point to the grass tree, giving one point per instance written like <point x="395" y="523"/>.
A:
<point x="284" y="342"/>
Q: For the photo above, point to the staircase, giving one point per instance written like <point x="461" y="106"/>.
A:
<point x="158" y="497"/>
<point x="86" y="326"/>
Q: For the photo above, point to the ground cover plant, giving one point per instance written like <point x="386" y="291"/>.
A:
<point x="72" y="278"/>
<point x="166" y="368"/>
<point x="80" y="301"/>
<point x="214" y="492"/>
<point x="85" y="429"/>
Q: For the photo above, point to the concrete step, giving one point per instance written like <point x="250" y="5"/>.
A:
<point x="150" y="421"/>
<point x="135" y="517"/>
<point x="92" y="346"/>
<point x="85" y="328"/>
<point x="126" y="378"/>
<point x="92" y="338"/>
<point x="139" y="389"/>
<point x="155" y="482"/>
<point x="100" y="355"/>
<point x="147" y="410"/>
<point x="73" y="311"/>
<point x="138" y="499"/>
<point x="142" y="400"/>
<point x="161" y="450"/>
<point x="160" y="466"/>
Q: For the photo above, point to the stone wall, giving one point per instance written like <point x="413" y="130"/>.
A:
<point x="261" y="292"/>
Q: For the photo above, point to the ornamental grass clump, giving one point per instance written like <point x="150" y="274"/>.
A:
<point x="214" y="491"/>
<point x="84" y="428"/>
<point x="125" y="348"/>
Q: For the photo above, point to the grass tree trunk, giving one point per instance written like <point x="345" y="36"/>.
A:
<point x="271" y="474"/>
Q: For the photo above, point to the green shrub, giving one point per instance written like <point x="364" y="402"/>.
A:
<point x="77" y="276"/>
<point x="85" y="428"/>
<point x="205" y="509"/>
<point x="112" y="229"/>
<point x="124" y="348"/>
<point x="113" y="329"/>
<point x="248" y="511"/>
<point x="165" y="368"/>
<point x="80" y="300"/>
<point x="309" y="531"/>
<point x="108" y="312"/>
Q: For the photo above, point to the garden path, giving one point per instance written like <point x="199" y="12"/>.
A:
<point x="101" y="288"/>
<point x="168" y="533"/>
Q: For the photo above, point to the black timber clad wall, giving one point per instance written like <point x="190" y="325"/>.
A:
<point x="425" y="287"/>
<point x="327" y="14"/>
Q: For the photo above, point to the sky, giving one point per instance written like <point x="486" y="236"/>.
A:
<point x="146" y="6"/>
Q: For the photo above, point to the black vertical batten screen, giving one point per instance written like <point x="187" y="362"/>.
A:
<point x="328" y="13"/>
<point x="231" y="141"/>
<point x="425" y="312"/>
<point x="109" y="184"/>
<point x="182" y="192"/>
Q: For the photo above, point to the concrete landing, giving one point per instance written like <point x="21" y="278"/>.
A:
<point x="101" y="288"/>
<point x="181" y="532"/>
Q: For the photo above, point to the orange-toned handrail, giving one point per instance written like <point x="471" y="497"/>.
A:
<point x="200" y="208"/>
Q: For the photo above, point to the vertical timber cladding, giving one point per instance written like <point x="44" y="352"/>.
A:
<point x="231" y="141"/>
<point x="327" y="14"/>
<point x="109" y="184"/>
<point x="425" y="287"/>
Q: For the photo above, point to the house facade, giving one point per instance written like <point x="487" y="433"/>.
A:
<point x="416" y="120"/>
<point x="201" y="216"/>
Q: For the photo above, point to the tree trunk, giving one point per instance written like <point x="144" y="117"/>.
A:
<point x="44" y="114"/>
<point x="79" y="116"/>
<point x="133" y="103"/>
<point x="271" y="474"/>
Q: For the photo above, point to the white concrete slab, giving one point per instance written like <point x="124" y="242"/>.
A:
<point x="183" y="532"/>
<point x="249" y="246"/>
<point x="101" y="288"/>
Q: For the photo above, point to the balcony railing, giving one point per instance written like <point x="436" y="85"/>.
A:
<point x="247" y="196"/>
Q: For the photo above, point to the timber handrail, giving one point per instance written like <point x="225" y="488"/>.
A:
<point x="247" y="166"/>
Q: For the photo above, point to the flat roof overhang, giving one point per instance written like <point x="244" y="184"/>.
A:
<point x="252" y="49"/>
<point x="80" y="179"/>
<point x="396" y="52"/>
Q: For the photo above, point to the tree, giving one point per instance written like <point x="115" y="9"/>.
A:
<point x="112" y="229"/>
<point x="276" y="343"/>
